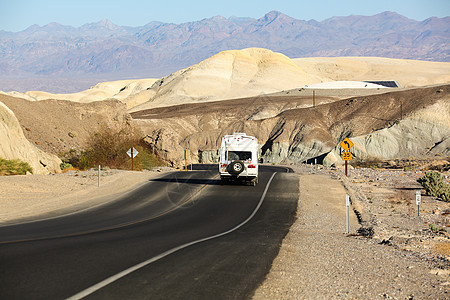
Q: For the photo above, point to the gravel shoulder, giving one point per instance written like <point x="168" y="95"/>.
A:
<point x="318" y="260"/>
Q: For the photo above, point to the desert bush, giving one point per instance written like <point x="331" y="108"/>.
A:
<point x="372" y="163"/>
<point x="14" y="167"/>
<point x="434" y="185"/>
<point x="65" y="165"/>
<point x="108" y="147"/>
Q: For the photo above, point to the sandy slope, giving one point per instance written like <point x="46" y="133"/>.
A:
<point x="409" y="73"/>
<point x="227" y="75"/>
<point x="119" y="90"/>
<point x="252" y="72"/>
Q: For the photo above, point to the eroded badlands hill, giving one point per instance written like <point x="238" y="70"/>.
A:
<point x="419" y="117"/>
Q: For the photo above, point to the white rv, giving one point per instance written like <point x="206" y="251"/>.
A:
<point x="238" y="159"/>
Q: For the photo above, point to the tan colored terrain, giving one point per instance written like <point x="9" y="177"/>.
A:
<point x="120" y="89"/>
<point x="253" y="72"/>
<point x="14" y="145"/>
<point x="408" y="73"/>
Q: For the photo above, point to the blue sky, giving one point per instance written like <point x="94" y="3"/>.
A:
<point x="17" y="15"/>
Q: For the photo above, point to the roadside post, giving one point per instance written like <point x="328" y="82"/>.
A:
<point x="418" y="201"/>
<point x="346" y="154"/>
<point x="347" y="204"/>
<point x="98" y="175"/>
<point x="132" y="153"/>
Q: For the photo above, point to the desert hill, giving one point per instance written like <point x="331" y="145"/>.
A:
<point x="120" y="90"/>
<point x="227" y="75"/>
<point x="301" y="133"/>
<point x="251" y="72"/>
<point x="408" y="73"/>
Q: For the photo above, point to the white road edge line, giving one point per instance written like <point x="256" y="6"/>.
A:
<point x="113" y="278"/>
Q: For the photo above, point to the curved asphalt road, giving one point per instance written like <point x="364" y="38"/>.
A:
<point x="60" y="257"/>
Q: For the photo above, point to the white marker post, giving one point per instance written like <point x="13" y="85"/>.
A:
<point x="347" y="204"/>
<point x="418" y="200"/>
<point x="98" y="175"/>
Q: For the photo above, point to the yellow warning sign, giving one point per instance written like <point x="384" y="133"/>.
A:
<point x="346" y="156"/>
<point x="346" y="144"/>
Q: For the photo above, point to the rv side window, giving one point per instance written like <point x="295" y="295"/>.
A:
<point x="239" y="155"/>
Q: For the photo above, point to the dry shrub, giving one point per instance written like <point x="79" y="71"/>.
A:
<point x="108" y="147"/>
<point x="373" y="163"/>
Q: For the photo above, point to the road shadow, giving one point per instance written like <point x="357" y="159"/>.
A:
<point x="189" y="181"/>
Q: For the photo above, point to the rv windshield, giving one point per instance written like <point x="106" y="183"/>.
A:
<point x="239" y="155"/>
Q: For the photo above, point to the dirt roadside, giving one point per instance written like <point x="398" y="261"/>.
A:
<point x="30" y="196"/>
<point x="317" y="260"/>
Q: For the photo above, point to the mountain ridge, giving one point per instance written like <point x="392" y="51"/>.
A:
<point x="110" y="52"/>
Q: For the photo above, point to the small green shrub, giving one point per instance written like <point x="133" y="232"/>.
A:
<point x="434" y="228"/>
<point x="434" y="185"/>
<point x="65" y="165"/>
<point x="14" y="167"/>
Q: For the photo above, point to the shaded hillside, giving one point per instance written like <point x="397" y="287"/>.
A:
<point x="14" y="145"/>
<point x="57" y="126"/>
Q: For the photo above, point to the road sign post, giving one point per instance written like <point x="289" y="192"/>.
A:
<point x="132" y="153"/>
<point x="418" y="201"/>
<point x="346" y="144"/>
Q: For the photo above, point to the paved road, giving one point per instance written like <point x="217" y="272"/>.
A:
<point x="61" y="257"/>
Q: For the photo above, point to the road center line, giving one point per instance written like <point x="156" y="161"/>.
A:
<point x="113" y="278"/>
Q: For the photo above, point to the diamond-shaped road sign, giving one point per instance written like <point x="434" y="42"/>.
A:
<point x="346" y="144"/>
<point x="132" y="152"/>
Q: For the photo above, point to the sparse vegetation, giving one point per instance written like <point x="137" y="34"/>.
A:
<point x="373" y="163"/>
<point x="65" y="166"/>
<point x="108" y="147"/>
<point x="14" y="167"/>
<point x="435" y="186"/>
<point x="434" y="228"/>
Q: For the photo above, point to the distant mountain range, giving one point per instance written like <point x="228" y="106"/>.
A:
<point x="105" y="50"/>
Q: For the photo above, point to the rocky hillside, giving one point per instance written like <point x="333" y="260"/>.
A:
<point x="105" y="50"/>
<point x="404" y="123"/>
